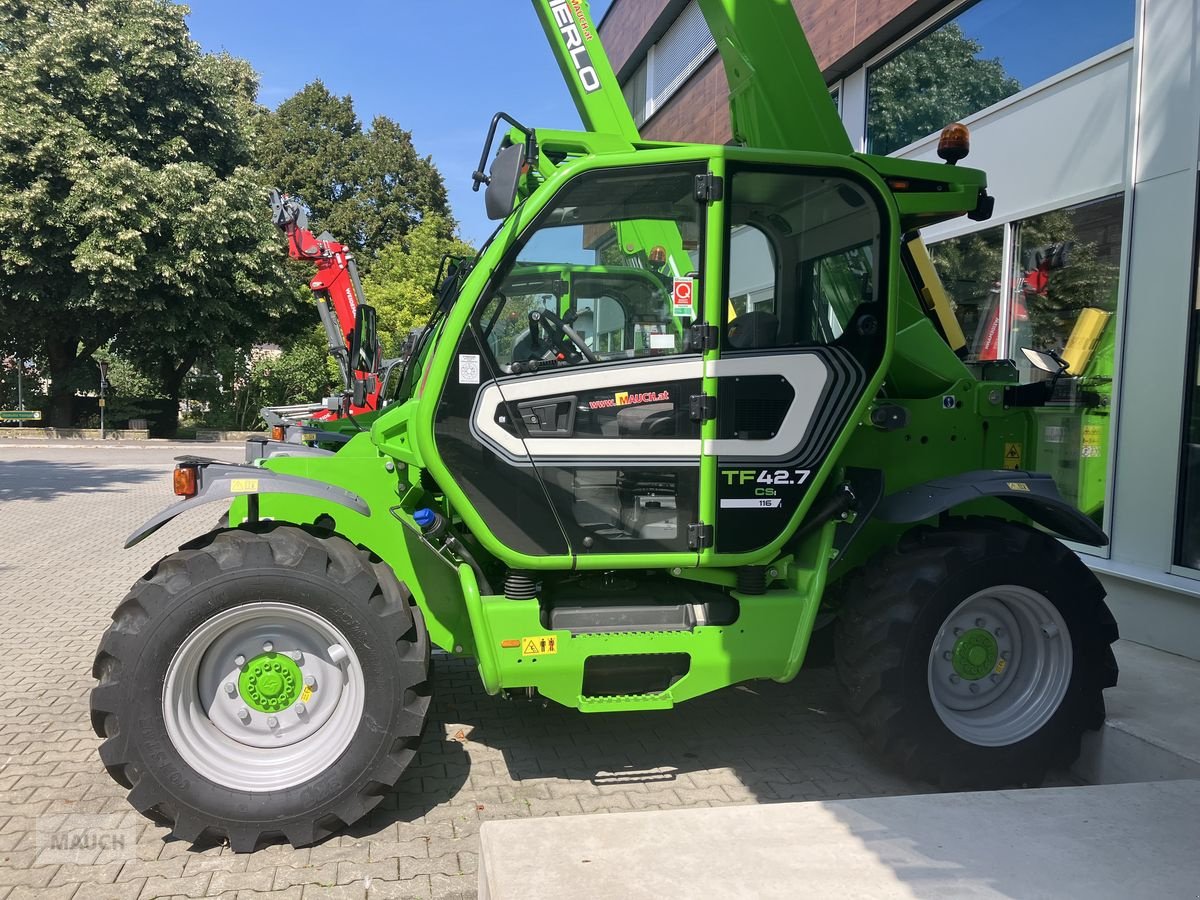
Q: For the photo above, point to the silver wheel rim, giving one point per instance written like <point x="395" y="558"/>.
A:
<point x="231" y="743"/>
<point x="1017" y="695"/>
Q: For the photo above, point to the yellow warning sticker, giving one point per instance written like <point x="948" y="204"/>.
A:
<point x="244" y="485"/>
<point x="537" y="646"/>
<point x="1012" y="455"/>
<point x="305" y="694"/>
<point x="1001" y="665"/>
<point x="1018" y="486"/>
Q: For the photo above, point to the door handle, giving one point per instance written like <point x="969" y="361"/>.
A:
<point x="549" y="417"/>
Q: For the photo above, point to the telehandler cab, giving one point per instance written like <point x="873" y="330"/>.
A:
<point x="775" y="426"/>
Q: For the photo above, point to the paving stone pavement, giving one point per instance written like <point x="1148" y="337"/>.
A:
<point x="64" y="514"/>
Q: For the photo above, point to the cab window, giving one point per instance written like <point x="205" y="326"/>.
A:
<point x="802" y="261"/>
<point x="604" y="260"/>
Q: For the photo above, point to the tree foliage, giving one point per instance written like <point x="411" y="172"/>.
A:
<point x="132" y="207"/>
<point x="932" y="83"/>
<point x="367" y="187"/>
<point x="400" y="283"/>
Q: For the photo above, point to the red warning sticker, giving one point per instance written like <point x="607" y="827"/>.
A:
<point x="683" y="297"/>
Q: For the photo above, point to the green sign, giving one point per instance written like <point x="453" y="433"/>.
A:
<point x="20" y="415"/>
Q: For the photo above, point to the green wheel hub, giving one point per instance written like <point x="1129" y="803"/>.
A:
<point x="975" y="654"/>
<point x="270" y="682"/>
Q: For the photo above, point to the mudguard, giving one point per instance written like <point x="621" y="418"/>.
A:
<point x="260" y="447"/>
<point x="1033" y="494"/>
<point x="223" y="481"/>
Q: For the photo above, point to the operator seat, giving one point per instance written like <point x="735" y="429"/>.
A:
<point x="753" y="330"/>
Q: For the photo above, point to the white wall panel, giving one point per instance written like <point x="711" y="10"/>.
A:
<point x="1049" y="146"/>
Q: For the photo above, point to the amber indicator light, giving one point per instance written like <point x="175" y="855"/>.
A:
<point x="955" y="143"/>
<point x="185" y="481"/>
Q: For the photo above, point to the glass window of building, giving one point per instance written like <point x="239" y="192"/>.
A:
<point x="669" y="63"/>
<point x="969" y="267"/>
<point x="678" y="53"/>
<point x="989" y="51"/>
<point x="1066" y="265"/>
<point x="1188" y="544"/>
<point x="635" y="94"/>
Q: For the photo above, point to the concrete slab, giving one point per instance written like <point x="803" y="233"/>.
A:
<point x="1120" y="841"/>
<point x="1153" y="726"/>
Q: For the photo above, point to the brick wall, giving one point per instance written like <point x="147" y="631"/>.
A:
<point x="839" y="31"/>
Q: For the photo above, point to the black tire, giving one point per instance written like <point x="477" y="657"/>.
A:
<point x="891" y="615"/>
<point x="322" y="574"/>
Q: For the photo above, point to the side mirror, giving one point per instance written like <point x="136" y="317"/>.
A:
<point x="1047" y="362"/>
<point x="358" y="395"/>
<point x="501" y="195"/>
<point x="364" y="342"/>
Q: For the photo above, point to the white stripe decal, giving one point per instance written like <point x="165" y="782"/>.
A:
<point x="636" y="372"/>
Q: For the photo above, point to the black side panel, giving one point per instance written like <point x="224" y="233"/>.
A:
<point x="509" y="498"/>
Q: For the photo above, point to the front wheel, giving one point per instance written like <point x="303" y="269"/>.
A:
<point x="975" y="655"/>
<point x="262" y="684"/>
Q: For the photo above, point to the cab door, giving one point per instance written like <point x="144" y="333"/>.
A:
<point x="803" y="336"/>
<point x="568" y="421"/>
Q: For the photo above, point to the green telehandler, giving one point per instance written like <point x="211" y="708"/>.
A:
<point x="775" y="424"/>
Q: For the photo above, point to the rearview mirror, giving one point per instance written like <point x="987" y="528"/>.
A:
<point x="501" y="195"/>
<point x="364" y="342"/>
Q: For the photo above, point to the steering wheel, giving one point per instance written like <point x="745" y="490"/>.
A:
<point x="537" y="316"/>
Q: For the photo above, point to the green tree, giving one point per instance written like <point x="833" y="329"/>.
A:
<point x="932" y="83"/>
<point x="367" y="187"/>
<point x="131" y="206"/>
<point x="400" y="283"/>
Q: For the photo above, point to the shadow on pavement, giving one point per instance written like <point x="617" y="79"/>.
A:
<point x="32" y="479"/>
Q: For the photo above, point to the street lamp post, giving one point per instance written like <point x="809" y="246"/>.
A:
<point x="103" y="385"/>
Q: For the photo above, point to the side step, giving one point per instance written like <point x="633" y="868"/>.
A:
<point x="592" y="606"/>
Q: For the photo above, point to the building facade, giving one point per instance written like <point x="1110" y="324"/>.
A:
<point x="1086" y="116"/>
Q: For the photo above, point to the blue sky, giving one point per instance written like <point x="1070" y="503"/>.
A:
<point x="1035" y="39"/>
<point x="440" y="68"/>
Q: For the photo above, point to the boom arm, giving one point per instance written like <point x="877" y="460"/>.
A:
<point x="336" y="287"/>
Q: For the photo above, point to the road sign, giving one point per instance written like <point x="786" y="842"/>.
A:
<point x="20" y="415"/>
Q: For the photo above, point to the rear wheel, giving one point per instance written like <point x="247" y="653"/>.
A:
<point x="976" y="654"/>
<point x="257" y="685"/>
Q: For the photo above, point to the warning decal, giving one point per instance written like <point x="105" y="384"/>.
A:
<point x="243" y="486"/>
<point x="537" y="646"/>
<point x="1012" y="455"/>
<point x="682" y="297"/>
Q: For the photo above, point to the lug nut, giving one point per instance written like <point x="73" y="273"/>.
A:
<point x="244" y="715"/>
<point x="239" y="660"/>
<point x="980" y="622"/>
<point x="947" y="655"/>
<point x="337" y="654"/>
<point x="268" y="647"/>
<point x="301" y="710"/>
<point x="974" y="689"/>
<point x="995" y="678"/>
<point x="272" y="722"/>
<point x="310" y="681"/>
<point x="954" y="679"/>
<point x="999" y="632"/>
<point x="230" y="689"/>
<point x="297" y="657"/>
<point x="957" y="632"/>
<point x="1005" y="654"/>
